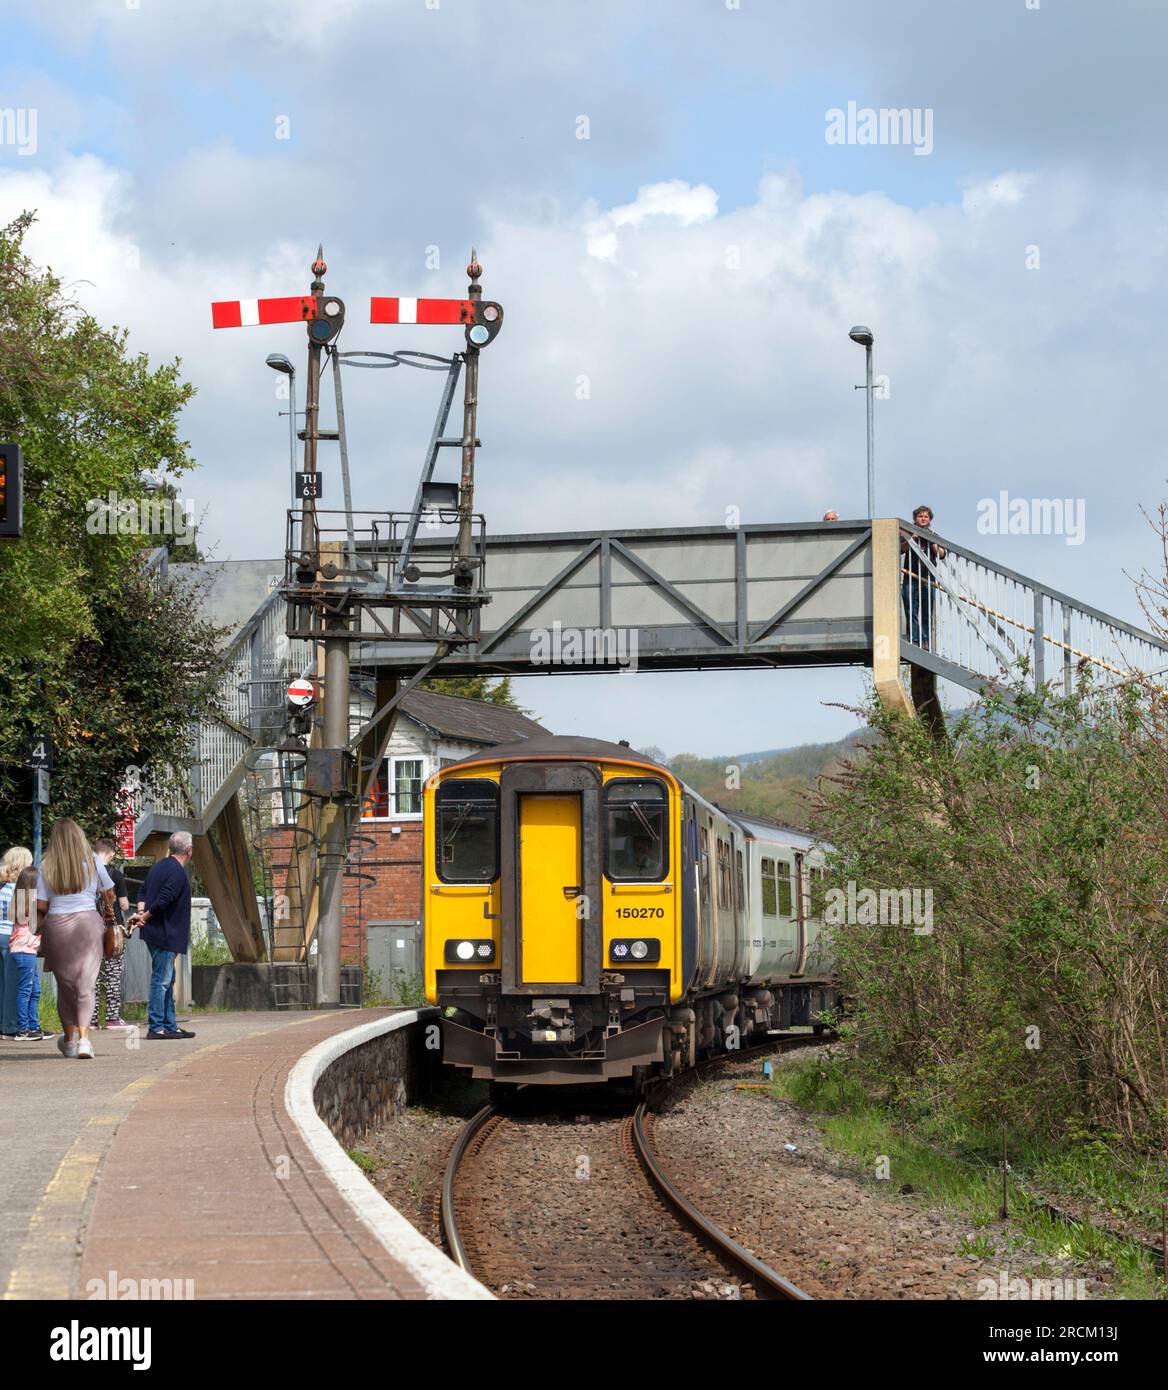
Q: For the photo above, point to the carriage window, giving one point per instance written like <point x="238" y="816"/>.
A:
<point x="739" y="883"/>
<point x="724" y="888"/>
<point x="770" y="902"/>
<point x="785" y="896"/>
<point x="466" y="831"/>
<point x="636" y="837"/>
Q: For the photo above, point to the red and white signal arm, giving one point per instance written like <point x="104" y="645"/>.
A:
<point x="301" y="692"/>
<point x="482" y="319"/>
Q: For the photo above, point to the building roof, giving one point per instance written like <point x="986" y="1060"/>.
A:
<point x="471" y="721"/>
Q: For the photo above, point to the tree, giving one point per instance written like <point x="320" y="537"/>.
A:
<point x="476" y="688"/>
<point x="96" y="653"/>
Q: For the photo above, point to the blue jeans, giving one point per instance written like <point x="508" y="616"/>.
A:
<point x="9" y="979"/>
<point x="160" y="1010"/>
<point x="917" y="597"/>
<point x="28" y="990"/>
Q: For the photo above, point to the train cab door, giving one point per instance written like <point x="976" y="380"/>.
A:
<point x="549" y="885"/>
<point x="802" y="901"/>
<point x="550" y="878"/>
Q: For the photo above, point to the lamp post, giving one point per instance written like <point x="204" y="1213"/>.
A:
<point x="863" y="336"/>
<point x="279" y="363"/>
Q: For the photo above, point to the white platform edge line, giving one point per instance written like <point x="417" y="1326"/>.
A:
<point x="439" y="1276"/>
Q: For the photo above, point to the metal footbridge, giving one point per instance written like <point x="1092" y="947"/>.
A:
<point x="694" y="598"/>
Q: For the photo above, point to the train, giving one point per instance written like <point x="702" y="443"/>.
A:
<point x="588" y="917"/>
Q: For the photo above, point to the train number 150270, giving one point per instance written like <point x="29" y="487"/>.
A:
<point x="640" y="912"/>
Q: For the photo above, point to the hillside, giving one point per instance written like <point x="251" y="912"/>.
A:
<point x="772" y="784"/>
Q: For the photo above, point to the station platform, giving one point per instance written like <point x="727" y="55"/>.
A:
<point x="176" y="1169"/>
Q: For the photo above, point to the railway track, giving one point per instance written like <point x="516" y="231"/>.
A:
<point x="582" y="1206"/>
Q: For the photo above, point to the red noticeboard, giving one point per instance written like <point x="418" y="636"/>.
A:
<point x="124" y="833"/>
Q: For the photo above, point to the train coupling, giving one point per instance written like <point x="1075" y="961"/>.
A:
<point x="551" y="1021"/>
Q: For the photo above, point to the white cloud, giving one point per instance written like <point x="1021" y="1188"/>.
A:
<point x="1005" y="190"/>
<point x="674" y="198"/>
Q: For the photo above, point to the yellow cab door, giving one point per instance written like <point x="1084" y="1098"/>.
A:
<point x="550" y="881"/>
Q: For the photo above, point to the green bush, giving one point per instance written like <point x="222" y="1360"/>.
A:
<point x="1038" y="996"/>
<point x="210" y="953"/>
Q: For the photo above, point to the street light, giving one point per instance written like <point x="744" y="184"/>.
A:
<point x="862" y="335"/>
<point x="279" y="363"/>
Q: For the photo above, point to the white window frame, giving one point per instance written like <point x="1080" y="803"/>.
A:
<point x="390" y="764"/>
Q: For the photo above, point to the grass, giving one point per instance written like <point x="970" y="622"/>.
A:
<point x="403" y="990"/>
<point x="49" y="1017"/>
<point x="210" y="953"/>
<point x="368" y="1163"/>
<point x="963" y="1174"/>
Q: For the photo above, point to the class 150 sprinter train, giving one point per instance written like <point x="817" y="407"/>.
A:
<point x="588" y="916"/>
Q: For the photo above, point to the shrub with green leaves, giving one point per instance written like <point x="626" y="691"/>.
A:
<point x="1040" y="996"/>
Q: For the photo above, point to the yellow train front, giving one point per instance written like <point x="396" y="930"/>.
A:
<point x="588" y="916"/>
<point x="553" y="910"/>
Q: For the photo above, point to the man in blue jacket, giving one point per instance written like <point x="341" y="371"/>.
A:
<point x="166" y="929"/>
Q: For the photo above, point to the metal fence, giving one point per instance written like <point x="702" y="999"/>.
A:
<point x="974" y="621"/>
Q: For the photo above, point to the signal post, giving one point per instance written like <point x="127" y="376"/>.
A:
<point x="348" y="581"/>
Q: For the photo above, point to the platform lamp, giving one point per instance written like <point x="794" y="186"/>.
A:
<point x="862" y="335"/>
<point x="279" y="363"/>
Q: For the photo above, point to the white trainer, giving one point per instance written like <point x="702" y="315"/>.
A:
<point x="84" y="1049"/>
<point x="67" y="1048"/>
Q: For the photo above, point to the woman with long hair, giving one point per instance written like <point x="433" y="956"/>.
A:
<point x="72" y="929"/>
<point x="15" y="859"/>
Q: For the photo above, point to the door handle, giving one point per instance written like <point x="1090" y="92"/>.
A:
<point x="489" y="915"/>
<point x="573" y="890"/>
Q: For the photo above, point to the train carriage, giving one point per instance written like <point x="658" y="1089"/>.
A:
<point x="588" y="916"/>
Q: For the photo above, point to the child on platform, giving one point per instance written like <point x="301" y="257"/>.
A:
<point x="22" y="956"/>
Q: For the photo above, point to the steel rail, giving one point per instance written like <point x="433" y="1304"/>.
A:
<point x="449" y="1222"/>
<point x="767" y="1283"/>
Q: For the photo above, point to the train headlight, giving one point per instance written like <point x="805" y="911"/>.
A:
<point x="642" y="949"/>
<point x="465" y="950"/>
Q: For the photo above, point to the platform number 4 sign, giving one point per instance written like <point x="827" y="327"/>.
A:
<point x="40" y="751"/>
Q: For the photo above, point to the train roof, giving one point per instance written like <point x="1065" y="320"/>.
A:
<point x="762" y="829"/>
<point x="560" y="746"/>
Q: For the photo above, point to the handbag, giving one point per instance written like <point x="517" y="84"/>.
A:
<point x="114" y="940"/>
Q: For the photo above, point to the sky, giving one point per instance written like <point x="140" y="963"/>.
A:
<point x="657" y="197"/>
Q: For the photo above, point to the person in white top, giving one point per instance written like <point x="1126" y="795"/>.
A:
<point x="14" y="862"/>
<point x="69" y="880"/>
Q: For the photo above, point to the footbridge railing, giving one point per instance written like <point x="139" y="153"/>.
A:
<point x="974" y="621"/>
